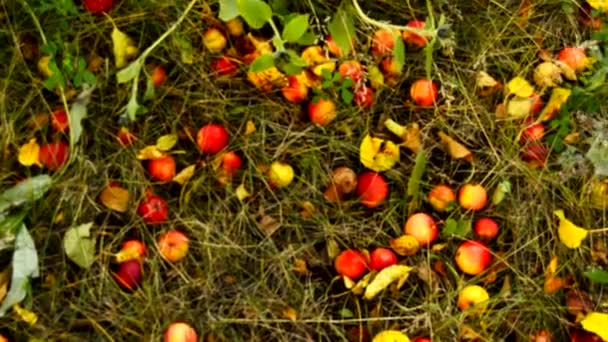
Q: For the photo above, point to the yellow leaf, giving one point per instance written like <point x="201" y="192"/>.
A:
<point x="596" y="323"/>
<point x="388" y="275"/>
<point x="378" y="154"/>
<point x="570" y="234"/>
<point x="599" y="194"/>
<point x="166" y="142"/>
<point x="25" y="315"/>
<point x="242" y="193"/>
<point x="559" y="96"/>
<point x="598" y="4"/>
<point x="520" y="87"/>
<point x="184" y="175"/>
<point x="149" y="152"/>
<point x="250" y="127"/>
<point x="391" y="336"/>
<point x="115" y="198"/>
<point x="567" y="71"/>
<point x="28" y="153"/>
<point x="484" y="80"/>
<point x="267" y="79"/>
<point x="124" y="48"/>
<point x="359" y="287"/>
<point x="405" y="245"/>
<point x="289" y="313"/>
<point x="43" y="66"/>
<point x="518" y="107"/>
<point x="552" y="268"/>
<point x="5" y="277"/>
<point x="455" y="149"/>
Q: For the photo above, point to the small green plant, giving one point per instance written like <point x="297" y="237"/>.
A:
<point x="66" y="66"/>
<point x="333" y="83"/>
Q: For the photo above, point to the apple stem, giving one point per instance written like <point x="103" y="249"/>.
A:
<point x="394" y="127"/>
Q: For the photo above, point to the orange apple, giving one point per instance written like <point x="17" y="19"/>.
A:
<point x="383" y="42"/>
<point x="424" y="92"/>
<point x="162" y="169"/>
<point x="473" y="296"/>
<point x="322" y="112"/>
<point x="473" y="257"/>
<point x="131" y="250"/>
<point x="364" y="96"/>
<point x="159" y="75"/>
<point x="442" y="198"/>
<point x="472" y="197"/>
<point x="372" y="189"/>
<point x="574" y="57"/>
<point x="486" y="228"/>
<point x="180" y="332"/>
<point x="414" y="39"/>
<point x="422" y="227"/>
<point x="231" y="163"/>
<point x="214" y="40"/>
<point x="352" y="70"/>
<point x="173" y="245"/>
<point x="351" y="263"/>
<point x="296" y="90"/>
<point x="381" y="258"/>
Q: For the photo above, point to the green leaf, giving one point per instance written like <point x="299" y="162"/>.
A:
<point x="346" y="95"/>
<point x="399" y="51"/>
<point x="150" y="90"/>
<point x="24" y="266"/>
<point x="255" y="12"/>
<point x="413" y="183"/>
<point x="342" y="30"/>
<point x="295" y="59"/>
<point x="78" y="112"/>
<point x="79" y="246"/>
<point x="263" y="62"/>
<point x="308" y="38"/>
<point x="228" y="10"/>
<point x="428" y="61"/>
<point x="129" y="73"/>
<point x="279" y="7"/>
<point x="132" y="108"/>
<point x="49" y="48"/>
<point x="458" y="228"/>
<point x="598" y="154"/>
<point x="29" y="190"/>
<point x="185" y="48"/>
<point x="89" y="78"/>
<point x="291" y="69"/>
<point x="346" y="313"/>
<point x="295" y="28"/>
<point x="597" y="276"/>
<point x="501" y="191"/>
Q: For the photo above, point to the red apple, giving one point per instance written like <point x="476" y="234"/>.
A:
<point x="383" y="42"/>
<point x="574" y="57"/>
<point x="162" y="169"/>
<point x="473" y="257"/>
<point x="381" y="258"/>
<point x="421" y="339"/>
<point x="153" y="209"/>
<point x="424" y="92"/>
<point x="414" y="39"/>
<point x="54" y="155"/>
<point x="472" y="197"/>
<point x="59" y="121"/>
<point x="128" y="275"/>
<point x="231" y="163"/>
<point x="352" y="70"/>
<point x="180" y="332"/>
<point x="212" y="138"/>
<point x="350" y="263"/>
<point x="214" y="40"/>
<point x="125" y="137"/>
<point x="580" y="335"/>
<point x="534" y="131"/>
<point x="131" y="250"/>
<point x="322" y="112"/>
<point x="173" y="245"/>
<point x="98" y="7"/>
<point x="535" y="154"/>
<point x="372" y="189"/>
<point x="364" y="96"/>
<point x="486" y="228"/>
<point x="224" y="66"/>
<point x="159" y="75"/>
<point x="296" y="90"/>
<point x="422" y="227"/>
<point x="442" y="198"/>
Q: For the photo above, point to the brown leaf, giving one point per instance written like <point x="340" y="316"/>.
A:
<point x="440" y="268"/>
<point x="301" y="267"/>
<point x="289" y="313"/>
<point x="599" y="253"/>
<point x="486" y="84"/>
<point x="269" y="225"/>
<point x="524" y="13"/>
<point x="308" y="209"/>
<point x="115" y="198"/>
<point x="38" y="121"/>
<point x="5" y="278"/>
<point x="578" y="302"/>
<point x="427" y="275"/>
<point x="455" y="149"/>
<point x="501" y="111"/>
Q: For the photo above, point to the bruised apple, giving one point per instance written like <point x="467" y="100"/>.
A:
<point x="383" y="42"/>
<point x="364" y="96"/>
<point x="296" y="90"/>
<point x="442" y="198"/>
<point x="224" y="66"/>
<point x="352" y="70"/>
<point x="473" y="257"/>
<point x="351" y="263"/>
<point x="372" y="189"/>
<point x="131" y="250"/>
<point x="422" y="227"/>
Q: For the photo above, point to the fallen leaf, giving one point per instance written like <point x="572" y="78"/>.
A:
<point x="150" y="152"/>
<point x="567" y="71"/>
<point x="427" y="275"/>
<point x="333" y="249"/>
<point x="115" y="198"/>
<point x="301" y="267"/>
<point x="518" y="107"/>
<point x="289" y="313"/>
<point x="269" y="224"/>
<point x="5" y="277"/>
<point x="405" y="245"/>
<point x="378" y="154"/>
<point x="38" y="121"/>
<point x="250" y="127"/>
<point x="184" y="175"/>
<point x="410" y="134"/>
<point x="553" y="284"/>
<point x="79" y="246"/>
<point x="308" y="209"/>
<point x="242" y="193"/>
<point x="359" y="287"/>
<point x="596" y="323"/>
<point x="559" y="96"/>
<point x="440" y="268"/>
<point x="455" y="149"/>
<point x="571" y="138"/>
<point x="578" y="302"/>
<point x="124" y="47"/>
<point x="519" y="87"/>
<point x="486" y="84"/>
<point x="25" y="315"/>
<point x="502" y="189"/>
<point x="501" y="111"/>
<point x="570" y="234"/>
<point x="599" y="253"/>
<point x="524" y="13"/>
<point x="438" y="247"/>
<point x="28" y="153"/>
<point x="388" y="275"/>
<point x="266" y="80"/>
<point x="166" y="142"/>
<point x="547" y="75"/>
<point x="601" y="5"/>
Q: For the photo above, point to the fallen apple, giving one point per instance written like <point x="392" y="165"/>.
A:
<point x="414" y="39"/>
<point x="383" y="42"/>
<point x="372" y="189"/>
<point x="224" y="66"/>
<point x="235" y="27"/>
<point x="474" y="297"/>
<point x="128" y="275"/>
<point x="472" y="197"/>
<point x="353" y="70"/>
<point x="535" y="155"/>
<point x="180" y="332"/>
<point x="212" y="138"/>
<point x="486" y="228"/>
<point x="126" y="137"/>
<point x="390" y="67"/>
<point x="343" y="182"/>
<point x="131" y="250"/>
<point x="53" y="156"/>
<point x="534" y="131"/>
<point x="173" y="245"/>
<point x="231" y="163"/>
<point x="381" y="258"/>
<point x="322" y="112"/>
<point x="296" y="90"/>
<point x="280" y="174"/>
<point x="421" y="339"/>
<point x="422" y="227"/>
<point x="153" y="209"/>
<point x="537" y="104"/>
<point x="351" y="263"/>
<point x="98" y="7"/>
<point x="542" y="335"/>
<point x="473" y="257"/>
<point x="424" y="92"/>
<point x="59" y="121"/>
<point x="159" y="75"/>
<point x="364" y="96"/>
<point x="316" y="58"/>
<point x="574" y="57"/>
<point x="214" y="40"/>
<point x="162" y="169"/>
<point x="442" y="198"/>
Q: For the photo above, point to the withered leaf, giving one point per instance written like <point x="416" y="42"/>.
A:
<point x="115" y="198"/>
<point x="455" y="149"/>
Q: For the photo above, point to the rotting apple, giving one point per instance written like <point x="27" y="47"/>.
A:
<point x="173" y="245"/>
<point x="381" y="258"/>
<point x="322" y="112"/>
<point x="414" y="39"/>
<point x="128" y="275"/>
<point x="53" y="156"/>
<point x="316" y="58"/>
<point x="473" y="257"/>
<point x="224" y="66"/>
<point x="180" y="332"/>
<point x="535" y="155"/>
<point x="472" y="197"/>
<point x="372" y="189"/>
<point x="214" y="40"/>
<point x="474" y="297"/>
<point x="424" y="92"/>
<point x="212" y="138"/>
<point x="153" y="209"/>
<point x="422" y="227"/>
<point x="442" y="198"/>
<point x="131" y="250"/>
<point x="231" y="163"/>
<point x="574" y="57"/>
<point x="280" y="174"/>
<point x="343" y="182"/>
<point x="486" y="228"/>
<point x="126" y="137"/>
<point x="98" y="7"/>
<point x="296" y="89"/>
<point x="351" y="69"/>
<point x="59" y="121"/>
<point x="383" y="42"/>
<point x="534" y="131"/>
<point x="351" y="263"/>
<point x="162" y="169"/>
<point x="364" y="96"/>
